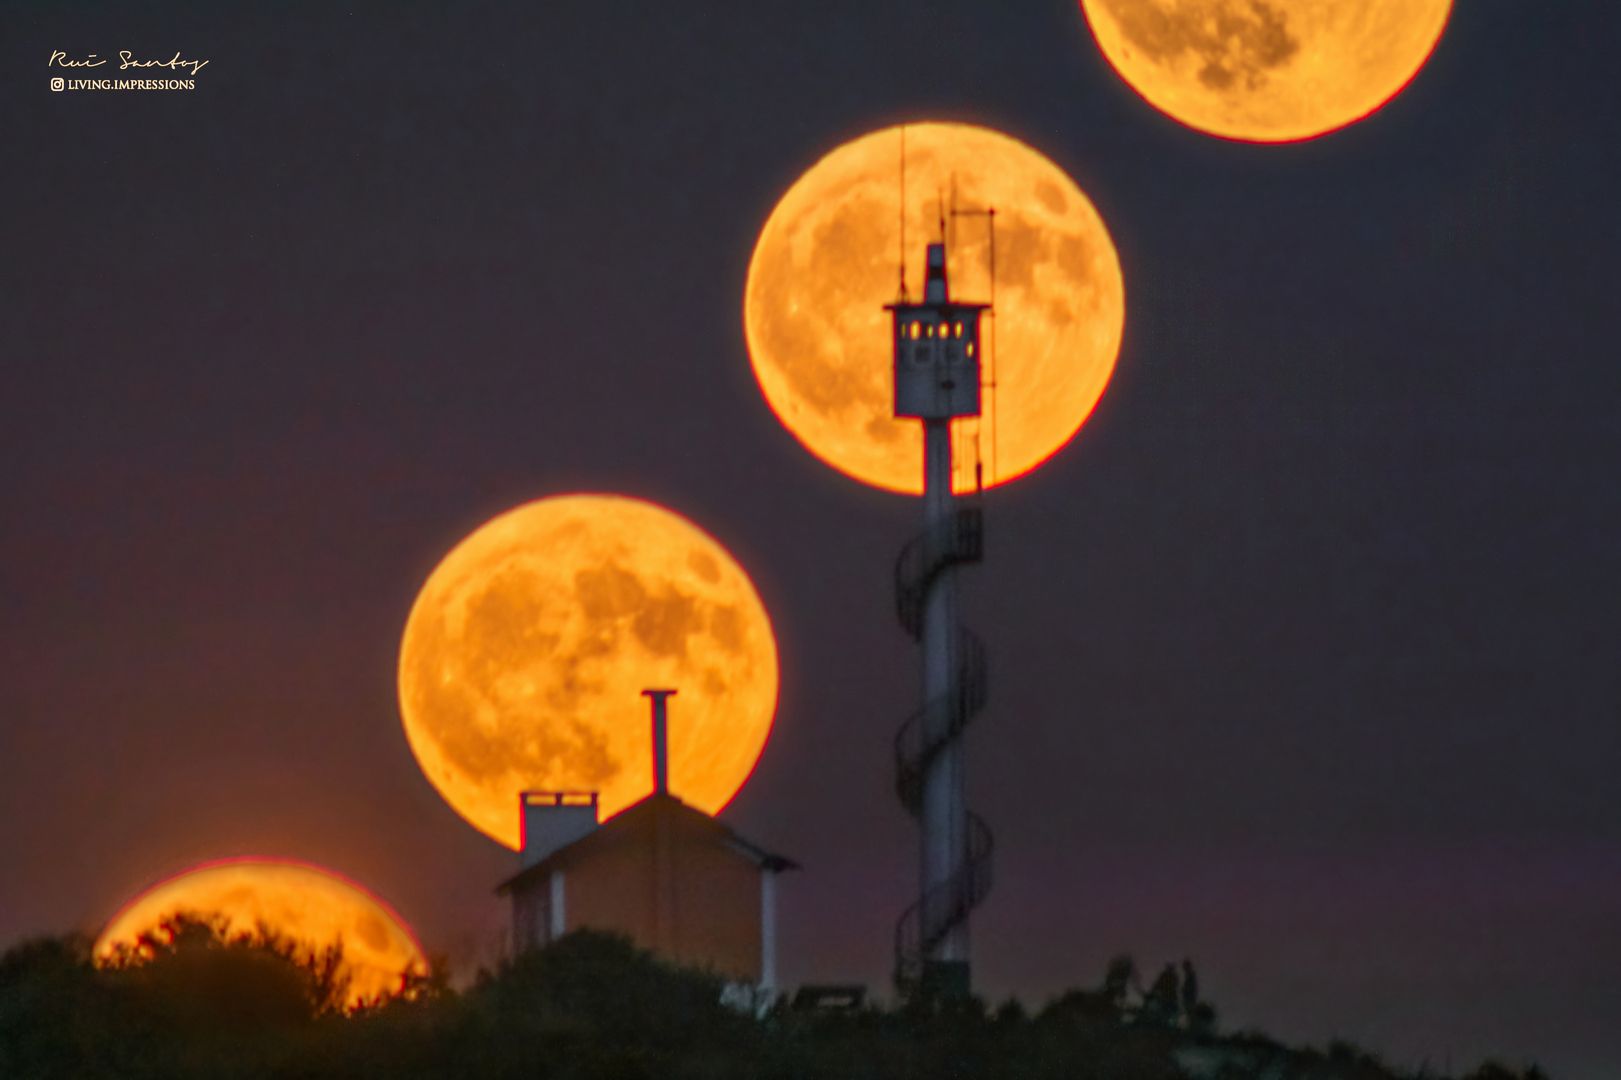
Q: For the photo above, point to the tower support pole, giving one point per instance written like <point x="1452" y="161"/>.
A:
<point x="944" y="817"/>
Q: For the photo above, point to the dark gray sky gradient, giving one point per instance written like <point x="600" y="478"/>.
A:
<point x="1304" y="651"/>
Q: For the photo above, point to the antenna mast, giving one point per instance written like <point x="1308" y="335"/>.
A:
<point x="900" y="262"/>
<point x="989" y="214"/>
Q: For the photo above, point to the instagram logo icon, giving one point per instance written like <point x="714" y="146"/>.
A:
<point x="57" y="84"/>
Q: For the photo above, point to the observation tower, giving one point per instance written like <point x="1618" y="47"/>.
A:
<point x="937" y="379"/>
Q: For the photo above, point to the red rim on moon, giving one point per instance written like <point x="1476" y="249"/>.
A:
<point x="827" y="261"/>
<point x="526" y="652"/>
<point x="1268" y="72"/>
<point x="307" y="905"/>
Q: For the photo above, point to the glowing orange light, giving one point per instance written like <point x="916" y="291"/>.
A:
<point x="525" y="655"/>
<point x="825" y="264"/>
<point x="309" y="906"/>
<point x="1267" y="73"/>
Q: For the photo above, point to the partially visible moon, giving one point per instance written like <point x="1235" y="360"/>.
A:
<point x="526" y="652"/>
<point x="826" y="263"/>
<point x="311" y="907"/>
<point x="1267" y="70"/>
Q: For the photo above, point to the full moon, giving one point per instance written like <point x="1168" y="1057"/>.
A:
<point x="311" y="907"/>
<point x="527" y="651"/>
<point x="1267" y="70"/>
<point x="827" y="261"/>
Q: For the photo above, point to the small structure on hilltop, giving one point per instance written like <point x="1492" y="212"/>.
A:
<point x="671" y="877"/>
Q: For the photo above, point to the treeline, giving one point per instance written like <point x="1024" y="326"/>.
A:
<point x="199" y="1004"/>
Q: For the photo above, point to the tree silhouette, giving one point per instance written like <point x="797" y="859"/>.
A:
<point x="193" y="1000"/>
<point x="194" y="957"/>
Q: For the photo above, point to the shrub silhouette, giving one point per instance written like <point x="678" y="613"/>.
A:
<point x="195" y="1001"/>
<point x="193" y="964"/>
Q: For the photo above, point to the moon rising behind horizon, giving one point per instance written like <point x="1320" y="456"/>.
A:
<point x="311" y="907"/>
<point x="826" y="263"/>
<point x="1264" y="71"/>
<point x="526" y="652"/>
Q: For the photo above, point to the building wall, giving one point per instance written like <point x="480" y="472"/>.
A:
<point x="611" y="890"/>
<point x="717" y="910"/>
<point x="531" y="916"/>
<point x="532" y="913"/>
<point x="710" y="893"/>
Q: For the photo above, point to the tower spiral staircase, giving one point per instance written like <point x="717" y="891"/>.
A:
<point x="955" y="539"/>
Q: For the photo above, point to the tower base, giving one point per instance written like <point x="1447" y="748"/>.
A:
<point x="944" y="981"/>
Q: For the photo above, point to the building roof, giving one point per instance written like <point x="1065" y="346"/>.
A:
<point x="659" y="806"/>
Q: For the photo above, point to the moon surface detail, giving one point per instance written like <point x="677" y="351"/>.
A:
<point x="311" y="907"/>
<point x="526" y="653"/>
<point x="1267" y="70"/>
<point x="827" y="261"/>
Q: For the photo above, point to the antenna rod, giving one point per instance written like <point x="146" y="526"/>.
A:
<point x="989" y="381"/>
<point x="901" y="263"/>
<point x="990" y="214"/>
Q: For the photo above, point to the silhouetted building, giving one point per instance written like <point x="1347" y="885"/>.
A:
<point x="670" y="876"/>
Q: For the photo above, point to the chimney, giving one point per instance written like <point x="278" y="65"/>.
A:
<point x="661" y="748"/>
<point x="551" y="820"/>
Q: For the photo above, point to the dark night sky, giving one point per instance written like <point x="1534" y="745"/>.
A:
<point x="1305" y="650"/>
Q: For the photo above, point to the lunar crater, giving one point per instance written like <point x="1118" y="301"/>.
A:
<point x="1231" y="39"/>
<point x="1267" y="71"/>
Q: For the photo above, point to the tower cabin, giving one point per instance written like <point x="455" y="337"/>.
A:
<point x="937" y="353"/>
<point x="671" y="877"/>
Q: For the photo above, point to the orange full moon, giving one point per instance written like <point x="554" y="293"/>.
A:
<point x="526" y="653"/>
<point x="827" y="261"/>
<point x="311" y="907"/>
<point x="1267" y="70"/>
